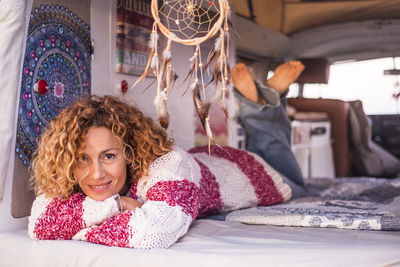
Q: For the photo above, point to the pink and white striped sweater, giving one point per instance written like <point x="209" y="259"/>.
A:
<point x="180" y="187"/>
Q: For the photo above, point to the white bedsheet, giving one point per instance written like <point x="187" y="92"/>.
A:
<point x="217" y="243"/>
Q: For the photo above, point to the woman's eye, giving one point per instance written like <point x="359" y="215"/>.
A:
<point x="109" y="156"/>
<point x="83" y="158"/>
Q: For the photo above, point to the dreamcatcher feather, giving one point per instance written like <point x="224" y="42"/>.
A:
<point x="190" y="13"/>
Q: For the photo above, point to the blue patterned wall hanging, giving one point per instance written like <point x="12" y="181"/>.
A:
<point x="55" y="74"/>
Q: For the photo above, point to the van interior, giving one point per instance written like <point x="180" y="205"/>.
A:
<point x="344" y="108"/>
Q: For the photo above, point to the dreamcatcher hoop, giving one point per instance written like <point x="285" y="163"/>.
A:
<point x="216" y="61"/>
<point x="224" y="10"/>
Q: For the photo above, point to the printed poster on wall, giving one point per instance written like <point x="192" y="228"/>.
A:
<point x="134" y="26"/>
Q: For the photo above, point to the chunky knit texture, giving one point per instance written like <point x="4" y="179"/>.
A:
<point x="180" y="187"/>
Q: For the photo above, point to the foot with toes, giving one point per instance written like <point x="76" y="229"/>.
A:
<point x="284" y="75"/>
<point x="244" y="82"/>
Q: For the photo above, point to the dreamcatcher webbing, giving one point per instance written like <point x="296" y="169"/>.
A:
<point x="187" y="27"/>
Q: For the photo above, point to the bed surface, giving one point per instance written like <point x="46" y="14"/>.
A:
<point x="322" y="236"/>
<point x="217" y="243"/>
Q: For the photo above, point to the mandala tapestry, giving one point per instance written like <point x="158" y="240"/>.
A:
<point x="55" y="74"/>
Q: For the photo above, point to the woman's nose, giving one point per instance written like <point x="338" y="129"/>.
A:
<point x="97" y="170"/>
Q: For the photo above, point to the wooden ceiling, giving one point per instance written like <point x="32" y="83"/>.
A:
<point x="291" y="16"/>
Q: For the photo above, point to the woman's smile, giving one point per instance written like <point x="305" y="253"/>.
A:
<point x="100" y="187"/>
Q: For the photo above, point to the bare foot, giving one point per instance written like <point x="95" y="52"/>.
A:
<point x="284" y="75"/>
<point x="244" y="83"/>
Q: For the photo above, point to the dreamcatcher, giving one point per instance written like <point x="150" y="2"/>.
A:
<point x="190" y="22"/>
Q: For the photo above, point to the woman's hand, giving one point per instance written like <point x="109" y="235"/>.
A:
<point x="129" y="203"/>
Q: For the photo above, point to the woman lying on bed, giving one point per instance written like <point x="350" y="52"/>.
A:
<point x="106" y="174"/>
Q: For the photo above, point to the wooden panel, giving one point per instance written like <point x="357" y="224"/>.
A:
<point x="268" y="13"/>
<point x="300" y="16"/>
<point x="290" y="16"/>
<point x="240" y="7"/>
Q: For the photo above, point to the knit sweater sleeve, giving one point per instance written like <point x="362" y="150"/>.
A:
<point x="62" y="219"/>
<point x="171" y="201"/>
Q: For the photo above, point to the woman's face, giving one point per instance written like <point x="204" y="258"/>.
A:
<point x="101" y="168"/>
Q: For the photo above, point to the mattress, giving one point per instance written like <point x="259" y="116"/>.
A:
<point x="217" y="243"/>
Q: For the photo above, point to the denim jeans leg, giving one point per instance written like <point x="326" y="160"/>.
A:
<point x="269" y="130"/>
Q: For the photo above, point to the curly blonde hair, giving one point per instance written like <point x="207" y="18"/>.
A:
<point x="56" y="156"/>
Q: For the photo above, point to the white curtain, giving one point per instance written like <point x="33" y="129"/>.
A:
<point x="14" y="20"/>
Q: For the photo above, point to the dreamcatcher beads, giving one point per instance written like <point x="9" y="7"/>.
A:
<point x="153" y="42"/>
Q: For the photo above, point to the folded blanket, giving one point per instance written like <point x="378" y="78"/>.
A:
<point x="347" y="203"/>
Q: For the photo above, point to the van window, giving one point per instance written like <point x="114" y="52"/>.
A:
<point x="362" y="80"/>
